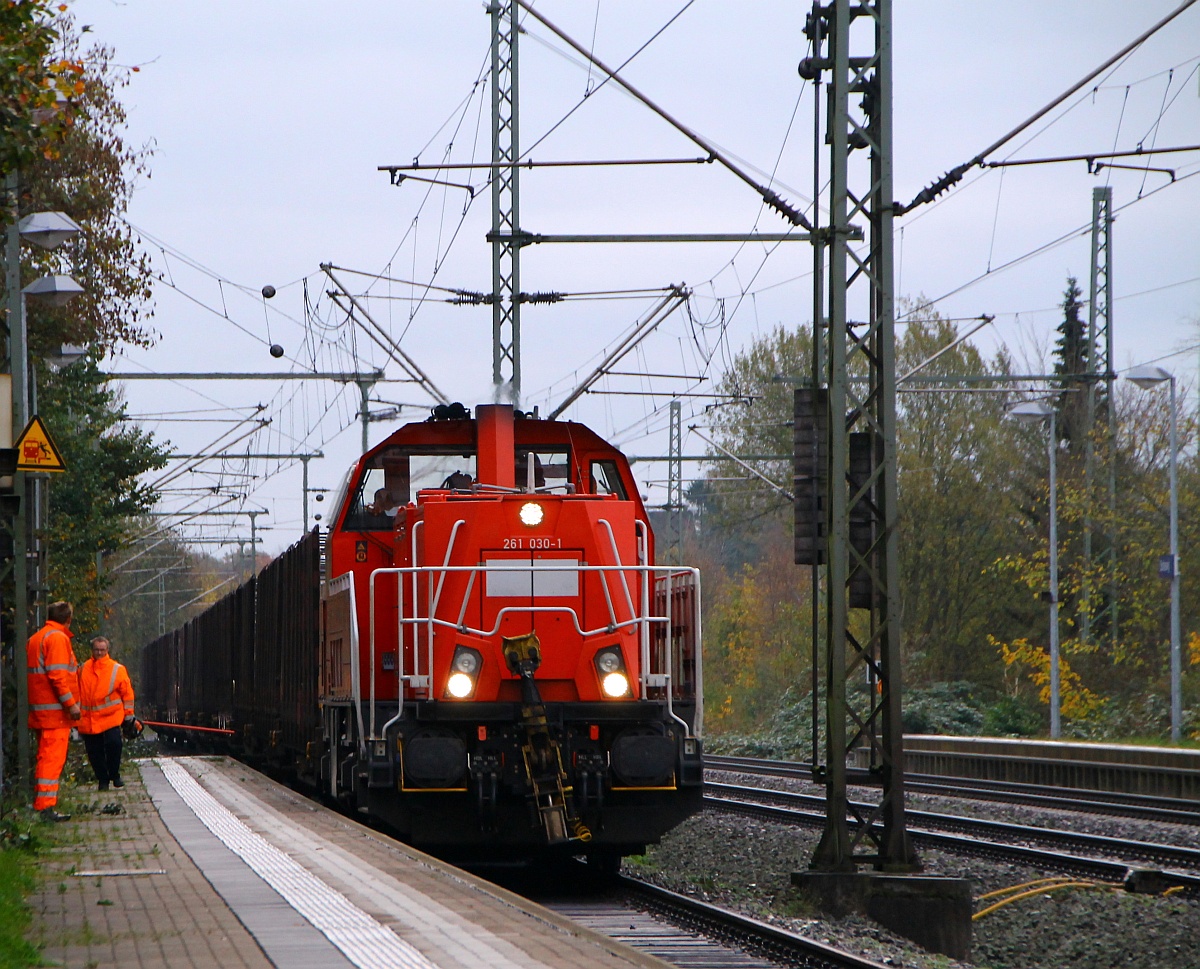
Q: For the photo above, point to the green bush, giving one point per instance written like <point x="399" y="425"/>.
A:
<point x="1012" y="716"/>
<point x="942" y="708"/>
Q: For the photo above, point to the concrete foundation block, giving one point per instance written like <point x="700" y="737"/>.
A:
<point x="933" y="912"/>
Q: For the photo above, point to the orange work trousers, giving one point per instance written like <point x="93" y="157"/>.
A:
<point x="51" y="756"/>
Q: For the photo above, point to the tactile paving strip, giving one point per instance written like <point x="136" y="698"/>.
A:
<point x="363" y="940"/>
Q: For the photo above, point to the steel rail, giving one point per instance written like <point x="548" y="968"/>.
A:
<point x="1147" y="807"/>
<point x="769" y="941"/>
<point x="974" y="844"/>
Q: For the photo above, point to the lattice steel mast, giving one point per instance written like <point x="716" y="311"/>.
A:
<point x="860" y="510"/>
<point x="505" y="235"/>
<point x="674" y="550"/>
<point x="1101" y="415"/>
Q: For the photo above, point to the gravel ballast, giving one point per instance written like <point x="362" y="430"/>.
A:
<point x="746" y="864"/>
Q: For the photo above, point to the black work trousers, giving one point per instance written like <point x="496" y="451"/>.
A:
<point x="104" y="753"/>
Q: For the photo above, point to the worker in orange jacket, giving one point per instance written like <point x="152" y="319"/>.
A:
<point x="106" y="697"/>
<point x="53" y="708"/>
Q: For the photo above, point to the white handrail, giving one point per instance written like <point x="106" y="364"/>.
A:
<point x="641" y="530"/>
<point x="345" y="583"/>
<point x="435" y="599"/>
<point x="420" y="525"/>
<point x="462" y="613"/>
<point x="642" y="618"/>
<point x="617" y="559"/>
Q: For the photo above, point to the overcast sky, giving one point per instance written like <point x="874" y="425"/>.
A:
<point x="268" y="121"/>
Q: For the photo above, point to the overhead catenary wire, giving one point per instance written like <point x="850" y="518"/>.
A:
<point x="1046" y="246"/>
<point x="185" y="468"/>
<point x="667" y="305"/>
<point x="390" y="346"/>
<point x="649" y="418"/>
<point x="779" y="489"/>
<point x="283" y="399"/>
<point x="955" y="175"/>
<point x="768" y="195"/>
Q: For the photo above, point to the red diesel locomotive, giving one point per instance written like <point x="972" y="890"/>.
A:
<point x="500" y="666"/>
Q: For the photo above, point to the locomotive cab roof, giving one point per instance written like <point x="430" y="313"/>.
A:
<point x="495" y="451"/>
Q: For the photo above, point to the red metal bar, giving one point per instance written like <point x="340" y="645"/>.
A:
<point x="184" y="726"/>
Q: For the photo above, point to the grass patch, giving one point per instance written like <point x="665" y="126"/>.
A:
<point x="23" y="839"/>
<point x="17" y="864"/>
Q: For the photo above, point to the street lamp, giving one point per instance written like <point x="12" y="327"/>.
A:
<point x="46" y="230"/>
<point x="1149" y="377"/>
<point x="66" y="355"/>
<point x="53" y="290"/>
<point x="1035" y="412"/>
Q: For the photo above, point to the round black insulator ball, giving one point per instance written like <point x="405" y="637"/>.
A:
<point x="276" y="350"/>
<point x="268" y="291"/>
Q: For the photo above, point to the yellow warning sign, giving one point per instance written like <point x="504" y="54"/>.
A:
<point x="36" y="450"/>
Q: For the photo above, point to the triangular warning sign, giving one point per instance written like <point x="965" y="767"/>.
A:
<point x="36" y="450"/>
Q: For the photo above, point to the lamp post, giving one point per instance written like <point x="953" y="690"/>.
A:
<point x="1035" y="412"/>
<point x="46" y="230"/>
<point x="1147" y="378"/>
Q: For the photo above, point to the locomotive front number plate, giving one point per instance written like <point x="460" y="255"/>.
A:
<point x="521" y="541"/>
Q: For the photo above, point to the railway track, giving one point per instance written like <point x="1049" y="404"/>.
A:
<point x="1109" y="859"/>
<point x="695" y="935"/>
<point x="1145" y="807"/>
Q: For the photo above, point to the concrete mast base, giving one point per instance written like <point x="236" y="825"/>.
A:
<point x="933" y="912"/>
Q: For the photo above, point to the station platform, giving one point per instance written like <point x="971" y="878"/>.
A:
<point x="208" y="863"/>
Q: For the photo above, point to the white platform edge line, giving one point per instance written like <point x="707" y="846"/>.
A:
<point x="362" y="939"/>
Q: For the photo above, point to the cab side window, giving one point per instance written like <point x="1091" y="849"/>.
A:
<point x="383" y="489"/>
<point x="605" y="479"/>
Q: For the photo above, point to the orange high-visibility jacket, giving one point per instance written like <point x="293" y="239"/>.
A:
<point x="53" y="683"/>
<point x="105" y="695"/>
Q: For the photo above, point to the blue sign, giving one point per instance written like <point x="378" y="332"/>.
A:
<point x="1166" y="566"/>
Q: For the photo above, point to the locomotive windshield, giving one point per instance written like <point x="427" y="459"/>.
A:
<point x="394" y="476"/>
<point x="550" y="468"/>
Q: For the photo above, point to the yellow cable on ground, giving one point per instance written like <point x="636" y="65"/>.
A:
<point x="1041" y="891"/>
<point x="1015" y="888"/>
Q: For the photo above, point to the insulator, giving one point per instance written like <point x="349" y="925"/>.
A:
<point x="947" y="181"/>
<point x="811" y="67"/>
<point x="815" y="25"/>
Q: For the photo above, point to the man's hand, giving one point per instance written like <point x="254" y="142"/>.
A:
<point x="73" y="711"/>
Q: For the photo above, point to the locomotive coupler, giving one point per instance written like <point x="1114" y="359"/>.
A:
<point x="542" y="754"/>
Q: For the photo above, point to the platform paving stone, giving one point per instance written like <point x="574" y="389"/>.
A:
<point x="131" y="921"/>
<point x="121" y="889"/>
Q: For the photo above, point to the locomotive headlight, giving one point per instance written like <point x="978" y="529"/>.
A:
<point x="460" y="685"/>
<point x="531" y="514"/>
<point x="615" y="685"/>
<point x="464" y="668"/>
<point x="611" y="666"/>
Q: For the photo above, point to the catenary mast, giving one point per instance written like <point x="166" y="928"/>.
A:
<point x="856" y="422"/>
<point x="505" y="235"/>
